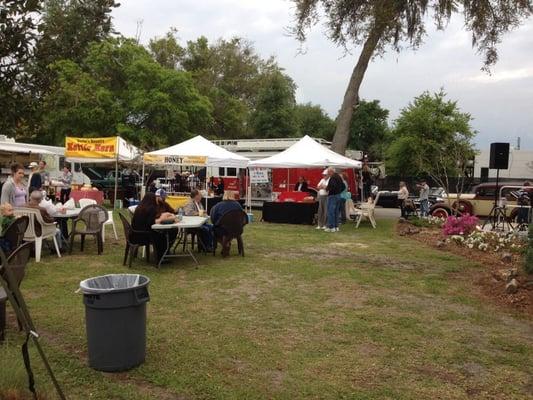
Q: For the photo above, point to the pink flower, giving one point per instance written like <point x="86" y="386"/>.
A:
<point x="463" y="225"/>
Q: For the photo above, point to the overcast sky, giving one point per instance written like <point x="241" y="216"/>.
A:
<point x="501" y="104"/>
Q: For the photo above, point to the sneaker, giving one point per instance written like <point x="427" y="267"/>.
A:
<point x="324" y="227"/>
<point x="328" y="230"/>
<point x="337" y="229"/>
<point x="319" y="227"/>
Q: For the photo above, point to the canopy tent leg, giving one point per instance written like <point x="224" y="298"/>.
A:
<point x="143" y="190"/>
<point x="116" y="174"/>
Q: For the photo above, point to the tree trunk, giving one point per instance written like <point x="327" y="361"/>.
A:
<point x="351" y="97"/>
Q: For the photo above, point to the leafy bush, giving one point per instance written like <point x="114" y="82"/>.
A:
<point x="463" y="225"/>
<point x="529" y="254"/>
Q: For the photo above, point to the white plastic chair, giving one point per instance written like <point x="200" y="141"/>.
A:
<point x="367" y="211"/>
<point x="110" y="221"/>
<point x="48" y="230"/>
<point x="70" y="204"/>
<point x="86" y="202"/>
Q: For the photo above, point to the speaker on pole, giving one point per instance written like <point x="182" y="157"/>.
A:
<point x="499" y="156"/>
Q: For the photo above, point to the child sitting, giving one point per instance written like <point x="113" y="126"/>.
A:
<point x="6" y="216"/>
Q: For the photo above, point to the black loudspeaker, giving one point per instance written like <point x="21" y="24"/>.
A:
<point x="499" y="156"/>
<point x="484" y="175"/>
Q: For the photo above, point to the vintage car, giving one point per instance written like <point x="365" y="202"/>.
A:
<point x="480" y="201"/>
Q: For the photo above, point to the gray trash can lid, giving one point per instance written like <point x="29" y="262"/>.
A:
<point x="113" y="283"/>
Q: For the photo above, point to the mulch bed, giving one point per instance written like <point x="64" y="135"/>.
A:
<point x="489" y="281"/>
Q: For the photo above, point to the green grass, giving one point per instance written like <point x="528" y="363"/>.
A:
<point x="361" y="314"/>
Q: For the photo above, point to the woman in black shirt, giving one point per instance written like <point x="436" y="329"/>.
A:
<point x="146" y="214"/>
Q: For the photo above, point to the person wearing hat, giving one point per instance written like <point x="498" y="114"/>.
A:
<point x="323" y="200"/>
<point x="162" y="205"/>
<point x="35" y="181"/>
<point x="424" y="198"/>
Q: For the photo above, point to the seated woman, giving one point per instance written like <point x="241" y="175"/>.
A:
<point x="195" y="208"/>
<point x="147" y="214"/>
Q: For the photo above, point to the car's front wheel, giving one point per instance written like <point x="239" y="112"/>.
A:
<point x="440" y="212"/>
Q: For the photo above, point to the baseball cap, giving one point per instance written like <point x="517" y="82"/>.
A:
<point x="161" y="193"/>
<point x="33" y="164"/>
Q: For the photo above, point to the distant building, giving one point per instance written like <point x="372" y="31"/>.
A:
<point x="520" y="166"/>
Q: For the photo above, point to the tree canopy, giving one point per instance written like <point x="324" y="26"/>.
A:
<point x="118" y="89"/>
<point x="432" y="137"/>
<point x="369" y="130"/>
<point x="375" y="25"/>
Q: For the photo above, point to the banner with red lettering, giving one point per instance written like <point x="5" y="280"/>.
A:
<point x="91" y="147"/>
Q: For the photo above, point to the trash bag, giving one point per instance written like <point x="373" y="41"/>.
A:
<point x="113" y="283"/>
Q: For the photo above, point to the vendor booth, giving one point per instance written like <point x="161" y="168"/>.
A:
<point x="99" y="150"/>
<point x="299" y="207"/>
<point x="195" y="152"/>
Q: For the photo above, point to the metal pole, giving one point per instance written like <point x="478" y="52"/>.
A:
<point x="143" y="190"/>
<point x="116" y="173"/>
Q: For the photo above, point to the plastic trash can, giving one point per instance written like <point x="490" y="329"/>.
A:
<point x="115" y="316"/>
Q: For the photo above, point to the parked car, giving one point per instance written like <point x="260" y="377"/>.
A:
<point x="125" y="180"/>
<point x="479" y="202"/>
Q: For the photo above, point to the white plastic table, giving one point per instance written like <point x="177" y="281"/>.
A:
<point x="62" y="219"/>
<point x="185" y="223"/>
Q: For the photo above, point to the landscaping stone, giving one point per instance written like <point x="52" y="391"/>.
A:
<point x="511" y="287"/>
<point x="440" y="244"/>
<point x="507" y="258"/>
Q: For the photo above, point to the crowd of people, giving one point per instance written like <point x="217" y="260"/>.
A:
<point x="333" y="191"/>
<point x="154" y="209"/>
<point x="16" y="192"/>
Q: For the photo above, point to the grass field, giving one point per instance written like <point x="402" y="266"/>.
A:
<point x="362" y="314"/>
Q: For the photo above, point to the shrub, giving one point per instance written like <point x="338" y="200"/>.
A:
<point x="463" y="225"/>
<point x="529" y="253"/>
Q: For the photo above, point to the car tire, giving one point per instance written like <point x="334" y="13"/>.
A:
<point x="440" y="212"/>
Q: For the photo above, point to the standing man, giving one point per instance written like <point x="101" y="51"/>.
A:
<point x="35" y="181"/>
<point x="523" y="200"/>
<point x="45" y="175"/>
<point x="424" y="198"/>
<point x="335" y="188"/>
<point x="66" y="179"/>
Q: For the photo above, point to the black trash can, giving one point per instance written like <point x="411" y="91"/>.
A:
<point x="115" y="315"/>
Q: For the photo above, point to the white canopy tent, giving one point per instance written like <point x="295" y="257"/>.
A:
<point x="306" y="153"/>
<point x="198" y="147"/>
<point x="197" y="151"/>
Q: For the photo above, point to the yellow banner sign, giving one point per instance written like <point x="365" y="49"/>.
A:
<point x="175" y="160"/>
<point x="91" y="147"/>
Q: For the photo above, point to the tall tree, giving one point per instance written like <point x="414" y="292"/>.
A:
<point x="312" y="120"/>
<point x="374" y="25"/>
<point x="274" y="115"/>
<point x="166" y="50"/>
<point x="369" y="130"/>
<point x="432" y="136"/>
<point x="18" y="34"/>
<point x="231" y="74"/>
<point x="67" y="29"/>
<point x="118" y="89"/>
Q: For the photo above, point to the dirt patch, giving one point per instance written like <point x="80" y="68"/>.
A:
<point x="486" y="281"/>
